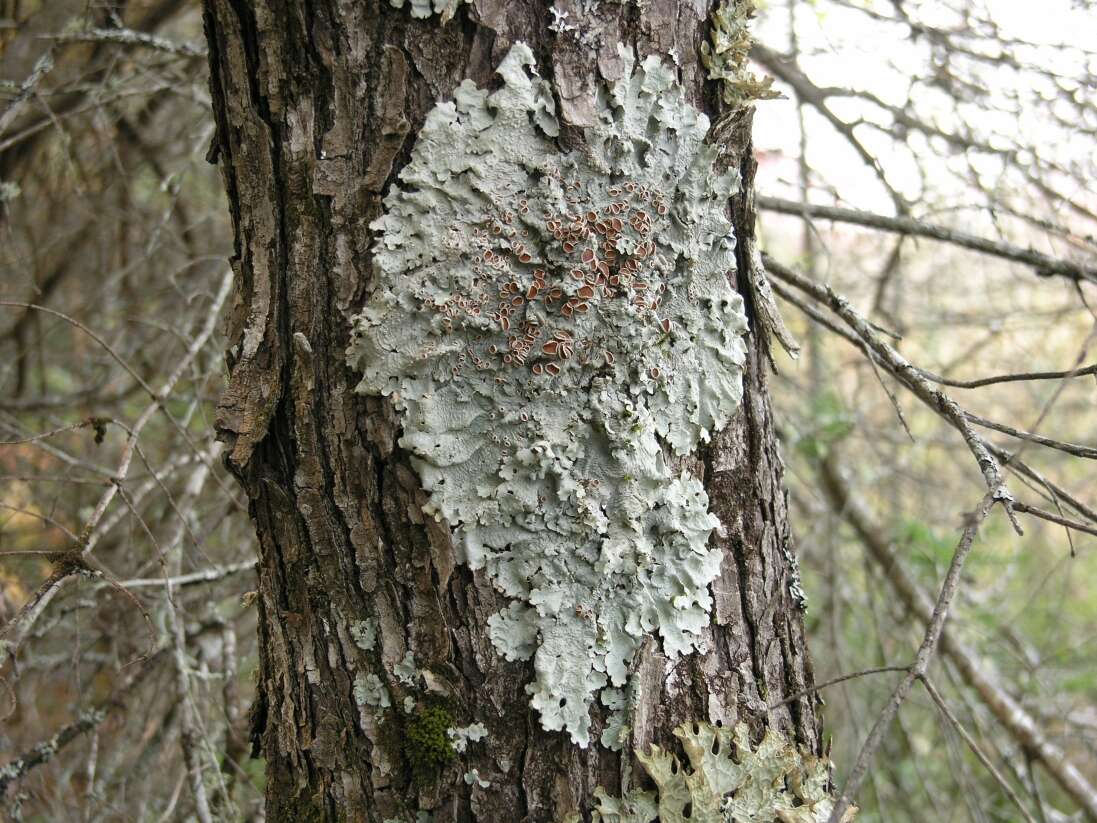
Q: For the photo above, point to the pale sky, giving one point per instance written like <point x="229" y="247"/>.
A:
<point x="845" y="48"/>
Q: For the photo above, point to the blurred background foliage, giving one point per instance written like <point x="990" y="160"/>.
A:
<point x="113" y="218"/>
<point x="975" y="116"/>
<point x="978" y="117"/>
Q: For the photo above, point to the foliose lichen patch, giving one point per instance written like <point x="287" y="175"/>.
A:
<point x="556" y="328"/>
<point x="727" y="56"/>
<point x="620" y="703"/>
<point x="425" y="8"/>
<point x="728" y="781"/>
<point x="364" y="633"/>
<point x="461" y="737"/>
<point x="370" y="691"/>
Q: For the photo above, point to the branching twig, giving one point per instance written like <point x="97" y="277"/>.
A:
<point x="834" y="681"/>
<point x="129" y="37"/>
<point x="976" y="750"/>
<point x="16" y="631"/>
<point x="1024" y="508"/>
<point x="922" y="659"/>
<point x="1042" y="263"/>
<point x="1011" y="714"/>
<point x="1019" y="377"/>
<point x="907" y="374"/>
<point x="85" y="722"/>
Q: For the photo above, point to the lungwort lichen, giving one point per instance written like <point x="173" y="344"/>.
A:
<point x="556" y="328"/>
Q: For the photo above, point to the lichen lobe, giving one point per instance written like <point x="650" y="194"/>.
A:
<point x="556" y="328"/>
<point x="727" y="55"/>
<point x="727" y="781"/>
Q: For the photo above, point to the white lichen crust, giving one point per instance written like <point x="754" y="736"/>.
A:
<point x="556" y="328"/>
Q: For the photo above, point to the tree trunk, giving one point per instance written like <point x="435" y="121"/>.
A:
<point x="317" y="107"/>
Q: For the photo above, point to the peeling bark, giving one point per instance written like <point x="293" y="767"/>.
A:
<point x="317" y="105"/>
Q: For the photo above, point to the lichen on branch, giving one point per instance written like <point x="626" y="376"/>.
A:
<point x="556" y="329"/>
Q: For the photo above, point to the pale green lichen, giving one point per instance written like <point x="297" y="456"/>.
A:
<point x="555" y="329"/>
<point x="370" y="691"/>
<point x="462" y="736"/>
<point x="473" y="776"/>
<point x="795" y="583"/>
<point x="406" y="671"/>
<point x="728" y="781"/>
<point x="513" y="631"/>
<point x="364" y="633"/>
<point x="618" y="726"/>
<point x="423" y="9"/>
<point x="726" y="57"/>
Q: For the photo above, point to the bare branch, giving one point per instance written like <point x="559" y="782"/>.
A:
<point x="86" y="721"/>
<point x="129" y="37"/>
<point x="907" y="374"/>
<point x="1024" y="508"/>
<point x="1044" y="265"/>
<point x="976" y="750"/>
<point x="1011" y="714"/>
<point x="834" y="681"/>
<point x="918" y="668"/>
<point x="205" y="576"/>
<point x="1019" y="377"/>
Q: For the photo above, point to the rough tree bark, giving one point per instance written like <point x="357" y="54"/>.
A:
<point x="317" y="105"/>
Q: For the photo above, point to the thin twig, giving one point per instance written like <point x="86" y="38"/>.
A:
<point x="83" y="424"/>
<point x="922" y="659"/>
<point x="1024" y="508"/>
<point x="1042" y="263"/>
<point x="129" y="37"/>
<point x="1075" y="449"/>
<point x="976" y="750"/>
<point x="204" y="576"/>
<point x="171" y="558"/>
<point x="1019" y="377"/>
<point x="833" y="682"/>
<point x="41" y="68"/>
